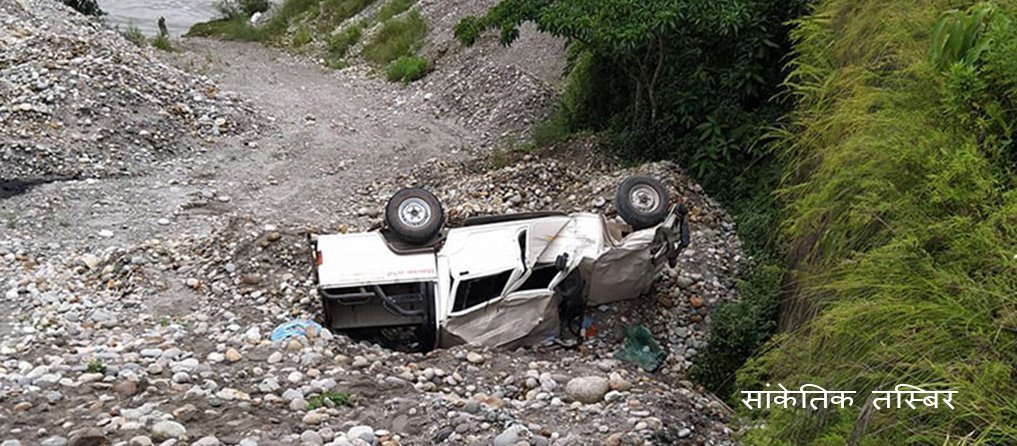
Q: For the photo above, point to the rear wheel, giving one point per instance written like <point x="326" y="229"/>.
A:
<point x="642" y="202"/>
<point x="414" y="215"/>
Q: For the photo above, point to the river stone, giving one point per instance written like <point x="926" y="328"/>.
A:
<point x="168" y="429"/>
<point x="587" y="389"/>
<point x="365" y="433"/>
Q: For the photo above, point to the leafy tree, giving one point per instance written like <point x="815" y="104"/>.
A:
<point x="86" y="7"/>
<point x="685" y="79"/>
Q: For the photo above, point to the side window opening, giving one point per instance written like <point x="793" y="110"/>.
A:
<point x="522" y="247"/>
<point x="474" y="292"/>
<point x="540" y="279"/>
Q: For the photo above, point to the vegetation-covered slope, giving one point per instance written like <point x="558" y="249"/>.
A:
<point x="902" y="222"/>
<point x="896" y="256"/>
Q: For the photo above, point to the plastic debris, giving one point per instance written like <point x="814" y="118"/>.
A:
<point x="298" y="327"/>
<point x="641" y="349"/>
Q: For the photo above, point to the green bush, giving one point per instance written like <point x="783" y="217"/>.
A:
<point x="335" y="12"/>
<point x="232" y="29"/>
<point x="407" y="69"/>
<point x="394" y="8"/>
<point x="740" y="328"/>
<point x="163" y="43"/>
<point x="134" y="35"/>
<point x="551" y="132"/>
<point x="302" y="36"/>
<point x="332" y="396"/>
<point x="95" y="366"/>
<point x="86" y="7"/>
<point x="339" y="44"/>
<point x="396" y="38"/>
<point x="690" y="80"/>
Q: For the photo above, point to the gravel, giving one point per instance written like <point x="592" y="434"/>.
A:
<point x="79" y="100"/>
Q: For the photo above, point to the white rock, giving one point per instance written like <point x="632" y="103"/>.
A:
<point x="587" y="390"/>
<point x="164" y="430"/>
<point x="362" y="432"/>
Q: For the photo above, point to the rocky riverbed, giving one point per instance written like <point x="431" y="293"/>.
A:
<point x="138" y="294"/>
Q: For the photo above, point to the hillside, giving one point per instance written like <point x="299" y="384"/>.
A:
<point x="899" y="216"/>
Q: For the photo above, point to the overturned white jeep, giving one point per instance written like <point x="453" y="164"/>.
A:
<point x="500" y="281"/>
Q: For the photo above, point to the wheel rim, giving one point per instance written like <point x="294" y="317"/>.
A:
<point x="644" y="199"/>
<point x="414" y="212"/>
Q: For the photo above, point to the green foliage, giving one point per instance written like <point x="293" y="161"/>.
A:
<point x="899" y="215"/>
<point x="960" y="37"/>
<point x="396" y="38"/>
<point x="551" y="131"/>
<point x="307" y="19"/>
<point x="739" y="328"/>
<point x="407" y="69"/>
<point x="230" y="9"/>
<point x="689" y="80"/>
<point x="302" y="36"/>
<point x="134" y="35"/>
<point x="231" y="29"/>
<point x="339" y="44"/>
<point x="86" y="7"/>
<point x="95" y="366"/>
<point x="330" y="398"/>
<point x="163" y="43"/>
<point x="394" y="8"/>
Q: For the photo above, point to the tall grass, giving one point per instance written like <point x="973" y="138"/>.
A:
<point x="396" y="38"/>
<point x="902" y="230"/>
<point x="394" y="8"/>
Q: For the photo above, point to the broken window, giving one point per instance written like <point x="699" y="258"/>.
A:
<point x="473" y="292"/>
<point x="540" y="279"/>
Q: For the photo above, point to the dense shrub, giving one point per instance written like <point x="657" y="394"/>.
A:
<point x="689" y="80"/>
<point x="396" y="38"/>
<point x="407" y="69"/>
<point x="134" y="35"/>
<point x="394" y="8"/>
<point x="163" y="43"/>
<point x="86" y="7"/>
<point x="302" y="36"/>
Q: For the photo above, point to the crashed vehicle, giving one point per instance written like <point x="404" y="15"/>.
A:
<point x="501" y="280"/>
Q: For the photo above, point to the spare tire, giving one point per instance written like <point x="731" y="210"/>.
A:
<point x="414" y="215"/>
<point x="642" y="202"/>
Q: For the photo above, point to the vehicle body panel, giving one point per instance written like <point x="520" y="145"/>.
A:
<point x="495" y="284"/>
<point x="348" y="260"/>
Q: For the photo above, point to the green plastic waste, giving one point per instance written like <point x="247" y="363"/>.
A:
<point x="641" y="349"/>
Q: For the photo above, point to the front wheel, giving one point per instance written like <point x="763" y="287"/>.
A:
<point x="414" y="215"/>
<point x="642" y="202"/>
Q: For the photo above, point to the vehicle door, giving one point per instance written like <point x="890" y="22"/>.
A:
<point x="482" y="261"/>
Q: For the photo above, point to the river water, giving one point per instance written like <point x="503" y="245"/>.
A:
<point x="144" y="14"/>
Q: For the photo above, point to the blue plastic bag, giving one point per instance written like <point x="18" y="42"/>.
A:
<point x="299" y="327"/>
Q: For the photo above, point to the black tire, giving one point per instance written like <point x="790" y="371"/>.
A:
<point x="642" y="202"/>
<point x="414" y="215"/>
